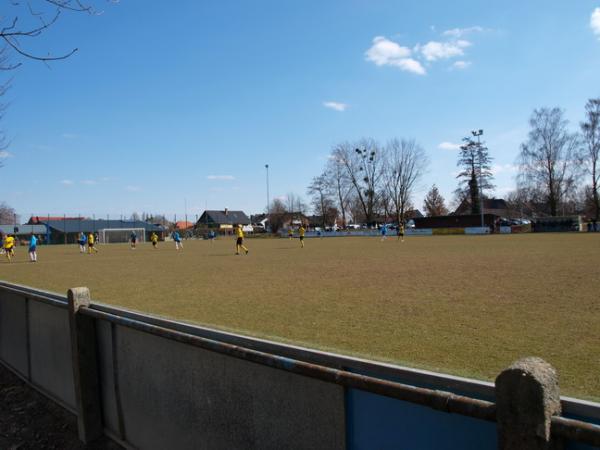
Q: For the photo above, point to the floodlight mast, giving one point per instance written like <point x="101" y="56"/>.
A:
<point x="477" y="134"/>
<point x="268" y="200"/>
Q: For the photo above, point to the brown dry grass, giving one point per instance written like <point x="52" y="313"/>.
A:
<point x="467" y="305"/>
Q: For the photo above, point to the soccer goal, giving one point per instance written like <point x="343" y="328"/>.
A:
<point x="116" y="235"/>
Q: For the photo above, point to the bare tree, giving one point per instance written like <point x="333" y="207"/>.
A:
<point x="322" y="203"/>
<point x="586" y="202"/>
<point x="434" y="203"/>
<point x="362" y="167"/>
<point x="405" y="162"/>
<point x="295" y="205"/>
<point x="355" y="208"/>
<point x="8" y="215"/>
<point x="338" y="184"/>
<point x="277" y="215"/>
<point x="384" y="205"/>
<point x="475" y="161"/>
<point x="158" y="219"/>
<point x="590" y="153"/>
<point x="547" y="158"/>
<point x="23" y="21"/>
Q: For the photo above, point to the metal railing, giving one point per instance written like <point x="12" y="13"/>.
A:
<point x="575" y="430"/>
<point x="561" y="427"/>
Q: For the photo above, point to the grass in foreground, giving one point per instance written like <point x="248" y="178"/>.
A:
<point x="468" y="305"/>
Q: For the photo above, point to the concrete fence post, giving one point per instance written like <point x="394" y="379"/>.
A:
<point x="85" y="366"/>
<point x="527" y="396"/>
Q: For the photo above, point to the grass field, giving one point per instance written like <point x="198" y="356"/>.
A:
<point x="467" y="305"/>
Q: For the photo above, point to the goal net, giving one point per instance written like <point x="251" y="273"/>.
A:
<point x="116" y="235"/>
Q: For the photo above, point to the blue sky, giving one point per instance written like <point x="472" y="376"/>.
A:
<point x="164" y="105"/>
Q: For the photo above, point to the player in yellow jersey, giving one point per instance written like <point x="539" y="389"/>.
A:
<point x="239" y="242"/>
<point x="90" y="242"/>
<point x="9" y="247"/>
<point x="401" y="233"/>
<point x="154" y="239"/>
<point x="301" y="232"/>
<point x="290" y="233"/>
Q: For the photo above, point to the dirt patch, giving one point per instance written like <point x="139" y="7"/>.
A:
<point x="28" y="420"/>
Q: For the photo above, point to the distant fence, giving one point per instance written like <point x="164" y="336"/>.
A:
<point x="151" y="383"/>
<point x="392" y="233"/>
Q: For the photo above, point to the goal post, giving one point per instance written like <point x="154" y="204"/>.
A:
<point x="120" y="235"/>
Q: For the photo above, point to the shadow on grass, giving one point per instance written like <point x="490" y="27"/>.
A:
<point x="6" y="263"/>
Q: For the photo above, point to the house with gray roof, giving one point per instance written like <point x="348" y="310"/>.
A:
<point x="222" y="220"/>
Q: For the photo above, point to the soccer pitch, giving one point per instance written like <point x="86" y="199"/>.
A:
<point x="467" y="305"/>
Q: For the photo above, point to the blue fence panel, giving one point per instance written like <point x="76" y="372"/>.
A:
<point x="383" y="423"/>
<point x="570" y="445"/>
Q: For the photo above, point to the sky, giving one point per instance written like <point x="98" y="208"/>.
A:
<point x="174" y="107"/>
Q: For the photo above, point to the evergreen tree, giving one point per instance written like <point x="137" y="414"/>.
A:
<point x="476" y="164"/>
<point x="434" y="204"/>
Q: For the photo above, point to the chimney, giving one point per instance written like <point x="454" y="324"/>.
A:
<point x="226" y="211"/>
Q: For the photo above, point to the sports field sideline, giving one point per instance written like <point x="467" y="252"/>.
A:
<point x="467" y="305"/>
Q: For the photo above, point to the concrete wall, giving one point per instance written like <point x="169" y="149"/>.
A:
<point x="14" y="346"/>
<point x="35" y="342"/>
<point x="173" y="395"/>
<point x="159" y="393"/>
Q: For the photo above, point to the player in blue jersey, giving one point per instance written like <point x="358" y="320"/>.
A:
<point x="33" y="248"/>
<point x="383" y="232"/>
<point x="177" y="238"/>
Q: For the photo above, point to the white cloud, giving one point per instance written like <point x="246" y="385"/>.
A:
<point x="448" y="146"/>
<point x="133" y="188"/>
<point x="384" y="52"/>
<point x="434" y="50"/>
<point x="67" y="182"/>
<point x="460" y="65"/>
<point x="221" y="177"/>
<point x="336" y="106"/>
<point x="460" y="32"/>
<point x="411" y="65"/>
<point x="69" y="135"/>
<point x="595" y="22"/>
<point x="89" y="182"/>
<point x="4" y="154"/>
